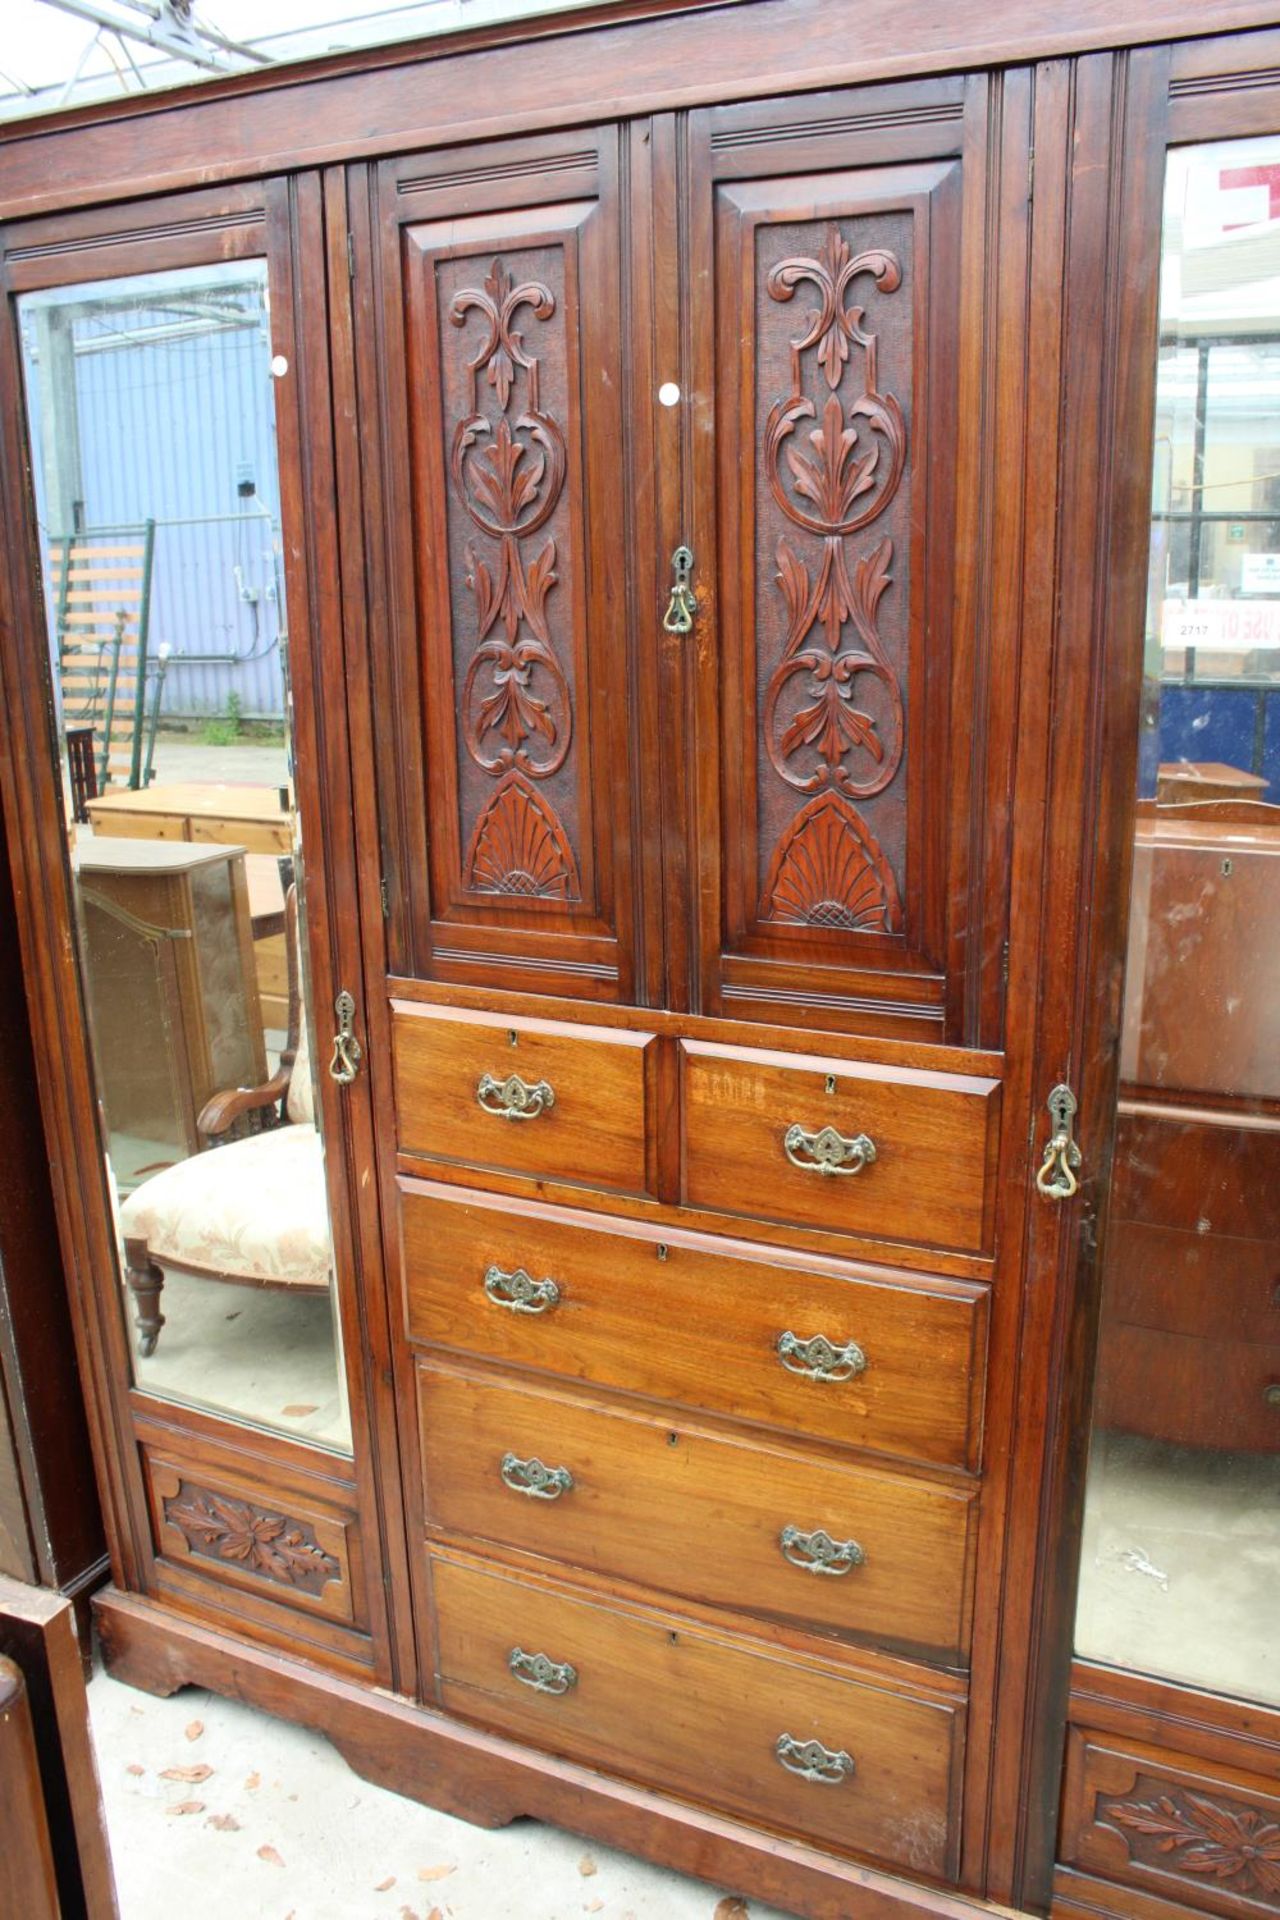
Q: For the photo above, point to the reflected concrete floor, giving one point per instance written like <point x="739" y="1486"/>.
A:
<point x="262" y="1354"/>
<point x="281" y="1829"/>
<point x="1180" y="1570"/>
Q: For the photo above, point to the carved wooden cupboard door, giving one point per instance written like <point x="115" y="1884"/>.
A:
<point x="845" y="884"/>
<point x="506" y="738"/>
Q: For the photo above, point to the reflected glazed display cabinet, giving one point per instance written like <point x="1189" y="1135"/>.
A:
<point x="734" y="1305"/>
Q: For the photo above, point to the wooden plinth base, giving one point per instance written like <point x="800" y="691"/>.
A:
<point x="489" y="1781"/>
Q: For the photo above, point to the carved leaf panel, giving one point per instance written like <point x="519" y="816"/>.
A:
<point x="1173" y="1825"/>
<point x="283" y="1550"/>
<point x="833" y="485"/>
<point x="513" y="340"/>
<point x="841" y="703"/>
<point x="216" y="1527"/>
<point x="1202" y="1838"/>
<point x="507" y="356"/>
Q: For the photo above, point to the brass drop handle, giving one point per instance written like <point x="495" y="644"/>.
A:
<point x="817" y="1552"/>
<point x="513" y="1098"/>
<point x="819" y="1358"/>
<point x="810" y="1760"/>
<point x="346" y="1048"/>
<point x="827" y="1151"/>
<point x="682" y="606"/>
<point x="543" y="1675"/>
<point x="532" y="1477"/>
<point x="519" y="1292"/>
<point x="1056" y="1177"/>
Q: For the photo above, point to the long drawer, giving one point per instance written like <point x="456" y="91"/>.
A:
<point x="891" y="1153"/>
<point x="723" y="1721"/>
<point x="524" y="1096"/>
<point x="672" y="1316"/>
<point x="764" y="1530"/>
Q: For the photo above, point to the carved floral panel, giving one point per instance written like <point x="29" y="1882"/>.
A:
<point x="507" y="375"/>
<point x="1210" y="1842"/>
<point x="257" y="1540"/>
<point x="833" y="464"/>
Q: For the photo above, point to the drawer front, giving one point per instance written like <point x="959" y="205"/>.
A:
<point x="700" y="1714"/>
<point x="524" y="1096"/>
<point x="677" y="1320"/>
<point x="890" y="1153"/>
<point x="840" y="1549"/>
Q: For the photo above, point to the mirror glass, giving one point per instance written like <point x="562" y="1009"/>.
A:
<point x="152" y="430"/>
<point x="1181" y="1552"/>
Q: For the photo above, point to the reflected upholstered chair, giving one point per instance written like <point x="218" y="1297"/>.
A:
<point x="252" y="1210"/>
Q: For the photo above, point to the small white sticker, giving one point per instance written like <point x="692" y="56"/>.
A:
<point x="669" y="394"/>
<point x="279" y="366"/>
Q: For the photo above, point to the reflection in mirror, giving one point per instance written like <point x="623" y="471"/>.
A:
<point x="1181" y="1562"/>
<point x="152" y="429"/>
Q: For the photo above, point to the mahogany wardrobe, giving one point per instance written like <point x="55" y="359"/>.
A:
<point x="671" y="1197"/>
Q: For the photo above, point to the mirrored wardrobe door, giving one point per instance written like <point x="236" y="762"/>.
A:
<point x="187" y="856"/>
<point x="152" y="421"/>
<point x="1182" y="1530"/>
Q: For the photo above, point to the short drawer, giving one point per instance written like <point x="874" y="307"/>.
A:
<point x="872" y="1556"/>
<point x="672" y="1316"/>
<point x="797" y="1745"/>
<point x="522" y="1096"/>
<point x="892" y="1153"/>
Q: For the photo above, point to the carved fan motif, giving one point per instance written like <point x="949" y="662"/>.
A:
<point x="828" y="871"/>
<point x="519" y="847"/>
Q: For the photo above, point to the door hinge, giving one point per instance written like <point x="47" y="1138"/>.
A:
<point x="1004" y="963"/>
<point x="386" y="898"/>
<point x="1031" y="173"/>
<point x="351" y="256"/>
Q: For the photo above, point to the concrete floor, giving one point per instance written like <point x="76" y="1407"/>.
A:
<point x="216" y="1812"/>
<point x="260" y="1354"/>
<point x="1180" y="1565"/>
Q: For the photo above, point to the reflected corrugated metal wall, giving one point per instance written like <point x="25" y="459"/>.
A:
<point x="169" y="429"/>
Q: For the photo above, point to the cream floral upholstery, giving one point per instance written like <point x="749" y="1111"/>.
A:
<point x="252" y="1210"/>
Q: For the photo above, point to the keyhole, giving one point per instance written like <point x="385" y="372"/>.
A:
<point x="831" y="1083"/>
<point x="1226" y="869"/>
<point x="513" y="1038"/>
<point x="662" y="1250"/>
